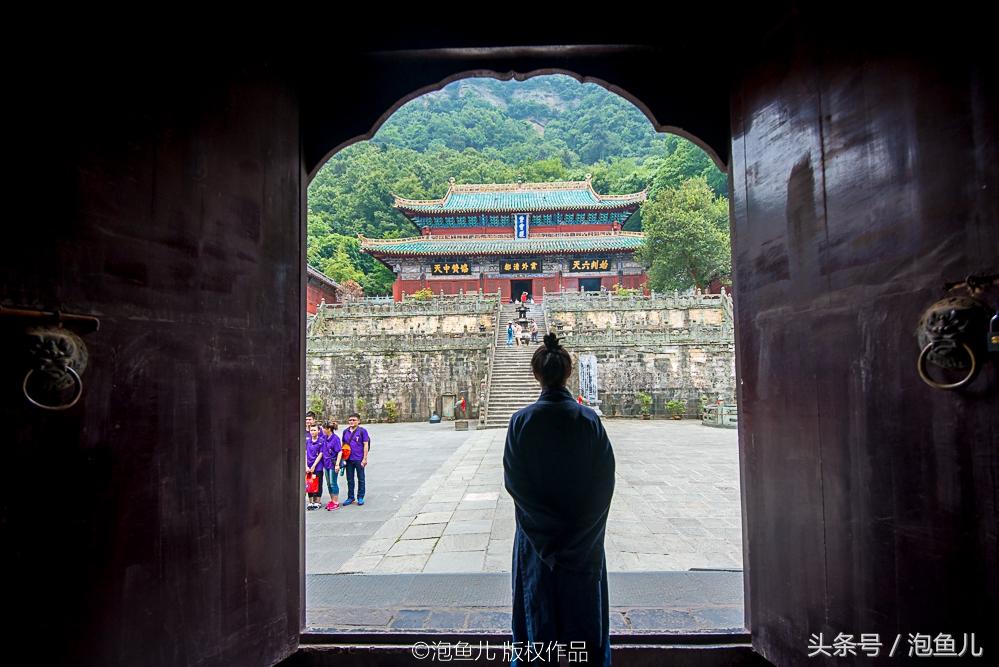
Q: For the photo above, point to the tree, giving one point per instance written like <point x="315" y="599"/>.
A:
<point x="686" y="237"/>
<point x="684" y="162"/>
<point x="487" y="131"/>
<point x="352" y="289"/>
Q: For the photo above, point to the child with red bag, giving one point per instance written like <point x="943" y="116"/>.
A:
<point x="313" y="467"/>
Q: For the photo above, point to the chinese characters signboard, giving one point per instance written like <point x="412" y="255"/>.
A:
<point x="521" y="222"/>
<point x="520" y="265"/>
<point x="451" y="267"/>
<point x="589" y="264"/>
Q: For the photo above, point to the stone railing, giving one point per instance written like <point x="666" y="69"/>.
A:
<point x="399" y="342"/>
<point x="693" y="334"/>
<point x="368" y="299"/>
<point x="607" y="300"/>
<point x="484" y="394"/>
<point x="474" y="303"/>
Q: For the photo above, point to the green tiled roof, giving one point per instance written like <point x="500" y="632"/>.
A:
<point x="521" y="198"/>
<point x="442" y="245"/>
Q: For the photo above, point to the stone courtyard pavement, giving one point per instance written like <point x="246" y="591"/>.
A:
<point x="436" y="503"/>
<point x="431" y="548"/>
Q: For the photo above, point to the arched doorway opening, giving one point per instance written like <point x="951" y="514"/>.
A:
<point x="583" y="284"/>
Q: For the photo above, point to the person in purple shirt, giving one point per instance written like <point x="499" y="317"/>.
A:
<point x="314" y="463"/>
<point x="355" y="436"/>
<point x="331" y="459"/>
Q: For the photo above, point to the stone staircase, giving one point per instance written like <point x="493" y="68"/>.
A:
<point x="512" y="385"/>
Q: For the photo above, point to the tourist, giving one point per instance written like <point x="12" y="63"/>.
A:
<point x="313" y="463"/>
<point x="509" y="333"/>
<point x="558" y="467"/>
<point x="310" y="420"/>
<point x="523" y="297"/>
<point x="534" y="331"/>
<point x="516" y="332"/>
<point x="332" y="456"/>
<point x="357" y="438"/>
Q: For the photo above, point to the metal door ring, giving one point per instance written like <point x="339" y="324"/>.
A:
<point x="76" y="380"/>
<point x="921" y="367"/>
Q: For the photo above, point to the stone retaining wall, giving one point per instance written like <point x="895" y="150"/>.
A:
<point x="369" y="356"/>
<point x="671" y="347"/>
<point x="415" y="380"/>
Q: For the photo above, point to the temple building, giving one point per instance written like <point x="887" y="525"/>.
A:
<point x="519" y="237"/>
<point x="320" y="288"/>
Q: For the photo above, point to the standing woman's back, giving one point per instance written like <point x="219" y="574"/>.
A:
<point x="559" y="468"/>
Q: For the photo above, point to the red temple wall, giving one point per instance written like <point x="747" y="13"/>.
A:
<point x="315" y="293"/>
<point x="553" y="283"/>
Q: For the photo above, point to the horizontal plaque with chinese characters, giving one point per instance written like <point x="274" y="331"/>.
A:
<point x="589" y="264"/>
<point x="520" y="266"/>
<point x="451" y="267"/>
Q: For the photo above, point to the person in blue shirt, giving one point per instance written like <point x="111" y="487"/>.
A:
<point x="558" y="467"/>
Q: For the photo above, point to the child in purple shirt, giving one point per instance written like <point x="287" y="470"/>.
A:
<point x="314" y="463"/>
<point x="331" y="456"/>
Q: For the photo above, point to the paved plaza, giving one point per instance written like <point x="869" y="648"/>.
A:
<point x="436" y="503"/>
<point x="430" y="551"/>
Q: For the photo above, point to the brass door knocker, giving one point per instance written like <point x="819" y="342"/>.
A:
<point x="59" y="357"/>
<point x="953" y="335"/>
<point x="54" y="354"/>
<point x="946" y="349"/>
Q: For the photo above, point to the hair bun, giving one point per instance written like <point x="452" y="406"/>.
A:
<point x="551" y="342"/>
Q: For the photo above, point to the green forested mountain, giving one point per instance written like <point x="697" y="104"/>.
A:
<point x="488" y="131"/>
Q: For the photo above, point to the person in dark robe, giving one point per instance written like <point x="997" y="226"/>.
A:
<point x="558" y="467"/>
